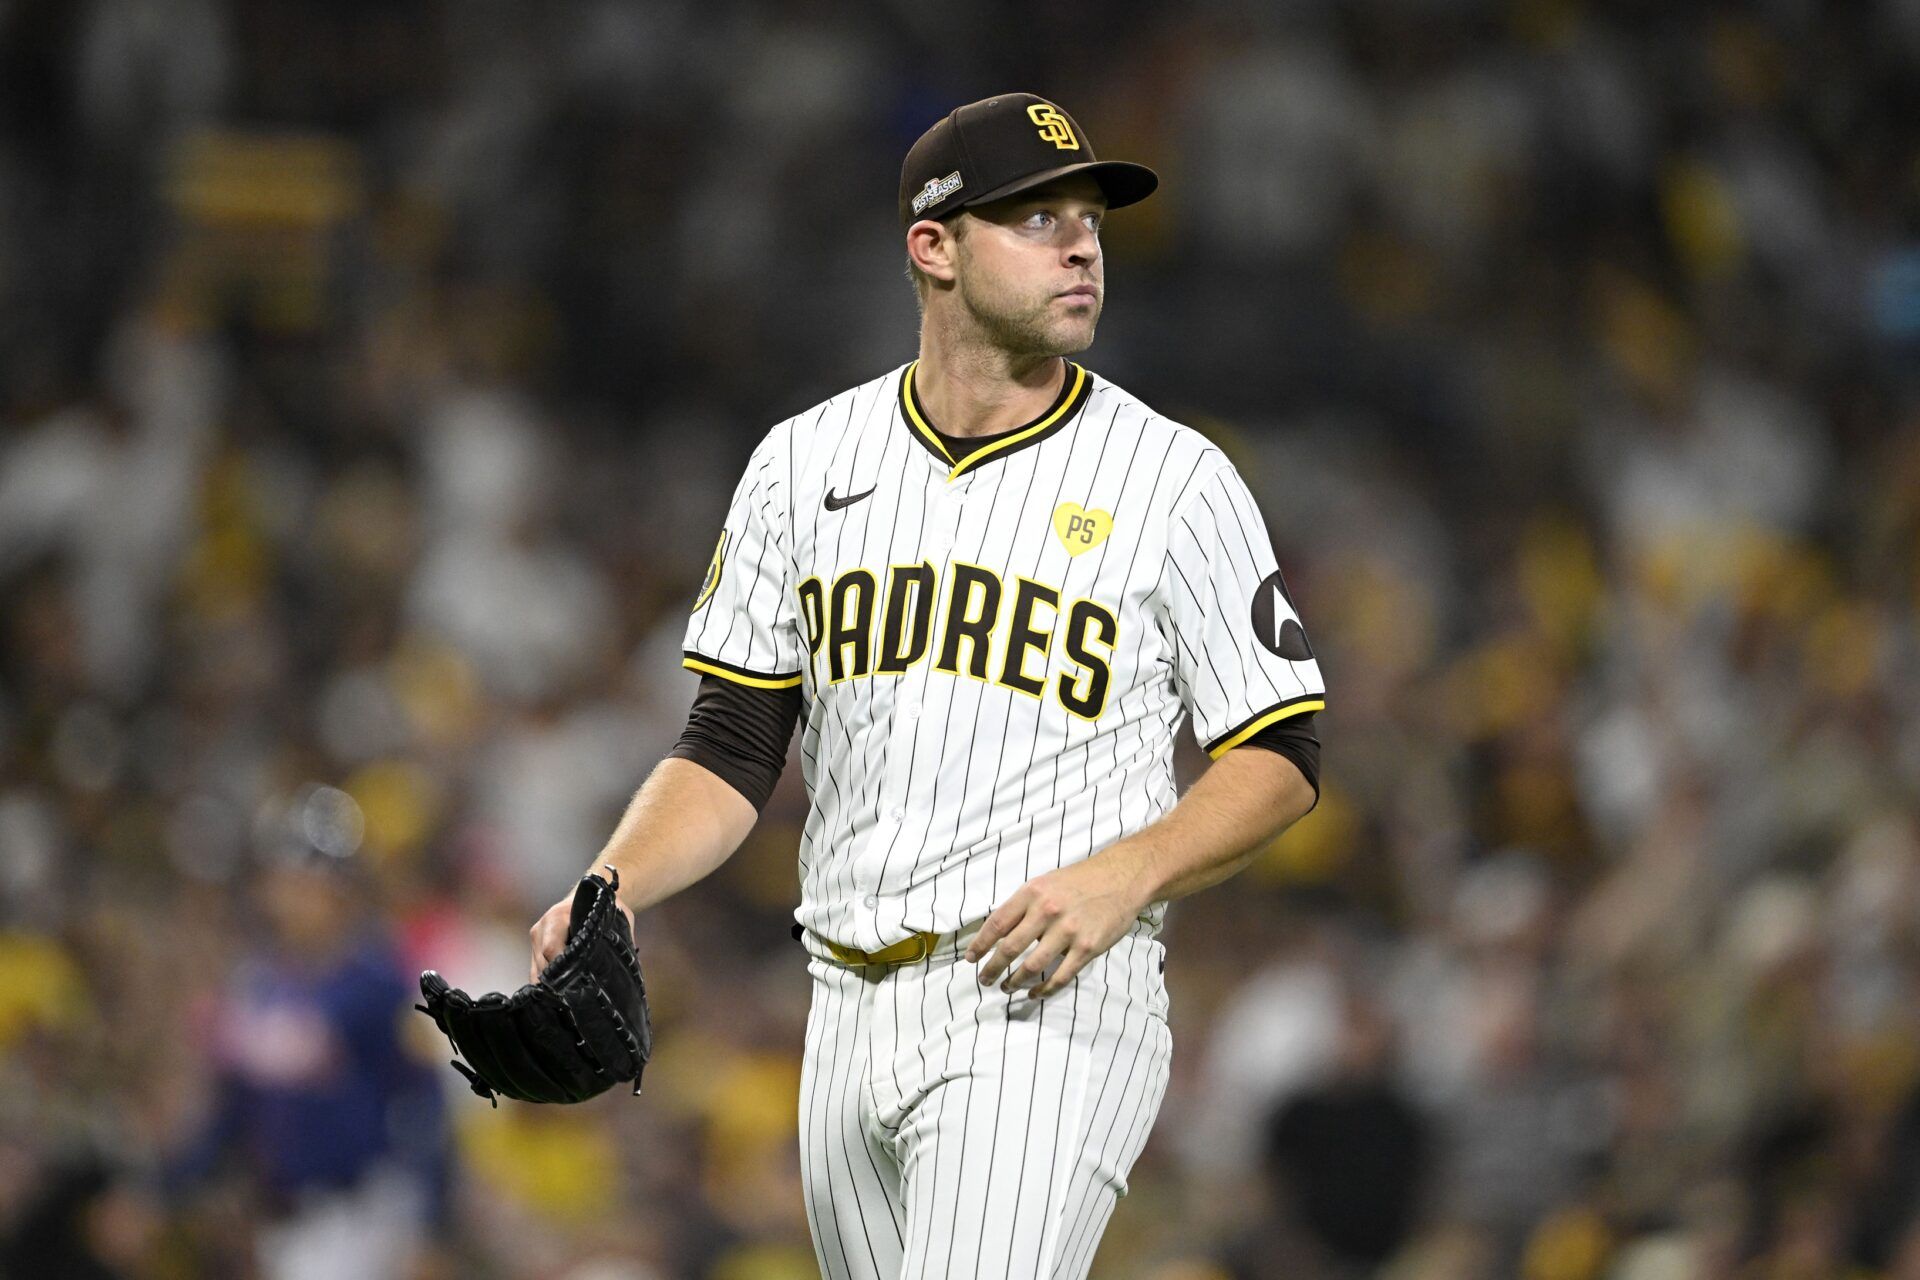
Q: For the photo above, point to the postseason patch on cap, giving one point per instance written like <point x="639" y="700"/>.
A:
<point x="936" y="190"/>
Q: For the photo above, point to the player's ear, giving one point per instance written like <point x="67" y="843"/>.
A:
<point x="930" y="248"/>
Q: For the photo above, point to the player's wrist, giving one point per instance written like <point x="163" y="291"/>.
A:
<point x="631" y="889"/>
<point x="1133" y="864"/>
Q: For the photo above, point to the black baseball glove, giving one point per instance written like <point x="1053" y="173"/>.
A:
<point x="568" y="1037"/>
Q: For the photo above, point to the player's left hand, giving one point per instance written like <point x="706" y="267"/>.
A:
<point x="1067" y="916"/>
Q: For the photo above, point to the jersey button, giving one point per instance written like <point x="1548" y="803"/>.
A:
<point x="913" y="711"/>
<point x="896" y="813"/>
<point x="872" y="899"/>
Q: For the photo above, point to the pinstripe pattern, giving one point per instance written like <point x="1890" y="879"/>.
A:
<point x="948" y="1130"/>
<point x="952" y="1133"/>
<point x="935" y="795"/>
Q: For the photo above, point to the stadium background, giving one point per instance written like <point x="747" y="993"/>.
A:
<point x="372" y="379"/>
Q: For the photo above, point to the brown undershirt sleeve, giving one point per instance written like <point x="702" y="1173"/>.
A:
<point x="1295" y="739"/>
<point x="741" y="734"/>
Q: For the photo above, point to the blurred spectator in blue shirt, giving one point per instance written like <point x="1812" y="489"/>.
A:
<point x="341" y="1132"/>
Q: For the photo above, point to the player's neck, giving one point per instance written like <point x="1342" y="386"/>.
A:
<point x="977" y="391"/>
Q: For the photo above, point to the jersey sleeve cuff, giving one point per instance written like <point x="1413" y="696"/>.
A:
<point x="1272" y="715"/>
<point x="739" y="675"/>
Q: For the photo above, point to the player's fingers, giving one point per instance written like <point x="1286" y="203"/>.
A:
<point x="549" y="934"/>
<point x="1071" y="964"/>
<point x="1042" y="956"/>
<point x="995" y="927"/>
<point x="1022" y="937"/>
<point x="992" y="929"/>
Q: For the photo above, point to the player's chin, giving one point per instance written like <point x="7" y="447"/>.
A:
<point x="1072" y="334"/>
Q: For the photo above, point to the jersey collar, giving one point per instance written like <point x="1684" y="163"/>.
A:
<point x="1074" y="389"/>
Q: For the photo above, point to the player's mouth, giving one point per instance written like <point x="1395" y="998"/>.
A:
<point x="1081" y="293"/>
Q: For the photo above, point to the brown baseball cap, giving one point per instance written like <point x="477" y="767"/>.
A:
<point x="1000" y="145"/>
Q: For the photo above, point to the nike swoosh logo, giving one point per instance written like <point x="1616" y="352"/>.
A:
<point x="834" y="504"/>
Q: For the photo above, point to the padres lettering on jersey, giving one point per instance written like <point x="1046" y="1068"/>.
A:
<point x="981" y="617"/>
<point x="994" y="651"/>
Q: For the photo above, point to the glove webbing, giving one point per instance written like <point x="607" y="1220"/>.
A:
<point x="474" y="1082"/>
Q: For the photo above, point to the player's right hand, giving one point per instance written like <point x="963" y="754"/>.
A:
<point x="549" y="933"/>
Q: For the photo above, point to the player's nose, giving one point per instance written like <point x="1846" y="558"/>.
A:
<point x="1083" y="251"/>
<point x="1082" y="246"/>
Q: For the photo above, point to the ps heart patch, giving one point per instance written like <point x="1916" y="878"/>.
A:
<point x="1080" y="529"/>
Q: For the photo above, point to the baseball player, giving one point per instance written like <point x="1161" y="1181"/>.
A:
<point x="987" y="585"/>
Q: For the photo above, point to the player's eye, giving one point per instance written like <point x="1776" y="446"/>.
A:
<point x="1039" y="218"/>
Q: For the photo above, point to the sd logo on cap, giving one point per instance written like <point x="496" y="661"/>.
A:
<point x="1001" y="145"/>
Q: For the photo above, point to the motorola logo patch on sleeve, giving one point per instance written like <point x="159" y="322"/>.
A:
<point x="1274" y="623"/>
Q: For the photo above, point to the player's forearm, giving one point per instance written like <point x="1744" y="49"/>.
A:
<point x="680" y="826"/>
<point x="1242" y="801"/>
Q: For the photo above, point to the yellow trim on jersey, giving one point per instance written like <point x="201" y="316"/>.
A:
<point x="927" y="433"/>
<point x="1272" y="717"/>
<point x="1013" y="441"/>
<point x="755" y="682"/>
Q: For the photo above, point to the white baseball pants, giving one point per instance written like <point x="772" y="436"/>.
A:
<point x="950" y="1131"/>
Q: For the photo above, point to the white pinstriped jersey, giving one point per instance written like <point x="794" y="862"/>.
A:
<point x="994" y="655"/>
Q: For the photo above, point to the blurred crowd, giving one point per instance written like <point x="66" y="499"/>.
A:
<point x="373" y="374"/>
